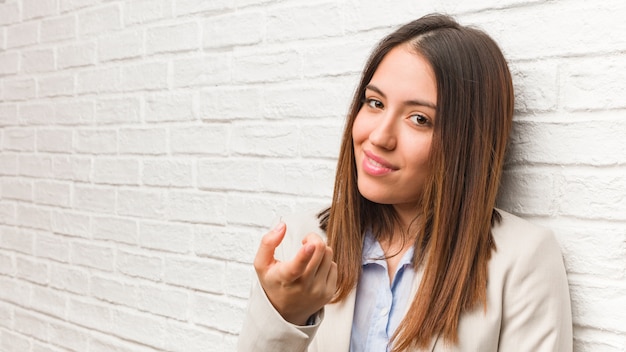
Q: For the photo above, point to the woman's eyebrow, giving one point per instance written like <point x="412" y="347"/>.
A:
<point x="417" y="102"/>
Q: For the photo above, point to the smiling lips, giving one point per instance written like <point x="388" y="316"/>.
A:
<point x="376" y="166"/>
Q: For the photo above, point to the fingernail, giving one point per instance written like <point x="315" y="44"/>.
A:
<point x="279" y="227"/>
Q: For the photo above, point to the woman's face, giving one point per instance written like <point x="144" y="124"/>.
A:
<point x="393" y="130"/>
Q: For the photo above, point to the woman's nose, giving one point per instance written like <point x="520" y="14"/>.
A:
<point x="383" y="135"/>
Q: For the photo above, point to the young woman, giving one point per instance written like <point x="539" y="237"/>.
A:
<point x="412" y="254"/>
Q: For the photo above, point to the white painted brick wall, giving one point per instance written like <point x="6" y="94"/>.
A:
<point x="146" y="145"/>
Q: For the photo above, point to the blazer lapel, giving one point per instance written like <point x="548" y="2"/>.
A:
<point x="334" y="333"/>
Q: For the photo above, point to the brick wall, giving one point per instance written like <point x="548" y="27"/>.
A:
<point x="145" y="146"/>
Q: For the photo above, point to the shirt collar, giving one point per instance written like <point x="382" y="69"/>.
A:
<point x="373" y="252"/>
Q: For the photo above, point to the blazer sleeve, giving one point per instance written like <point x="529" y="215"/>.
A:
<point x="536" y="308"/>
<point x="265" y="330"/>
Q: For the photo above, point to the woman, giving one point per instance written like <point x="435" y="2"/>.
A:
<point x="412" y="255"/>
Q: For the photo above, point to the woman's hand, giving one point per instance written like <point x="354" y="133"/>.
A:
<point x="302" y="286"/>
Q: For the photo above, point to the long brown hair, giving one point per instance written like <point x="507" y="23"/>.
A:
<point x="453" y="240"/>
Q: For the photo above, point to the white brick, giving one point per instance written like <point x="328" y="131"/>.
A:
<point x="226" y="243"/>
<point x="74" y="112"/>
<point x="6" y="316"/>
<point x="596" y="305"/>
<point x="142" y="203"/>
<point x="235" y="174"/>
<point x="226" y="103"/>
<point x="310" y="178"/>
<point x="266" y="209"/>
<point x="38" y="8"/>
<point x="34" y="217"/>
<point x="71" y="168"/>
<point x="265" y="139"/>
<point x="97" y="141"/>
<point x="115" y="229"/>
<point x="19" y="139"/>
<point x="68" y="336"/>
<point x="288" y="101"/>
<point x="36" y="61"/>
<point x="12" y="342"/>
<point x="143" y="11"/>
<point x="7" y="268"/>
<point x="166" y="237"/>
<point x="147" y="76"/>
<point x="118" y="110"/>
<point x="218" y="312"/>
<point x="244" y="274"/>
<point x="205" y="275"/>
<point x="48" y="301"/>
<point x="99" y="20"/>
<point x="76" y="55"/>
<point x="52" y="193"/>
<point x="138" y="327"/>
<point x="18" y="240"/>
<point x="237" y="28"/>
<point x="7" y="213"/>
<point x="68" y="5"/>
<point x="15" y="291"/>
<point x="139" y="265"/>
<point x="22" y="34"/>
<point x="58" y="85"/>
<point x="121" y="45"/>
<point x="266" y="66"/>
<point x="54" y="141"/>
<point x="532" y="141"/>
<point x="114" y="291"/>
<point x="151" y="141"/>
<point x="190" y="6"/>
<point x="193" y="339"/>
<point x="19" y="89"/>
<point x="32" y="270"/>
<point x="102" y="343"/>
<point x="58" y="28"/>
<point x="196" y="207"/>
<point x="98" y="199"/>
<point x="89" y="314"/>
<point x="9" y="63"/>
<point x="172" y="303"/>
<point x="203" y="70"/>
<point x="211" y="139"/>
<point x="116" y="171"/>
<point x="8" y="115"/>
<point x="36" y="113"/>
<point x="93" y="256"/>
<point x="35" y="165"/>
<point x="330" y="132"/>
<point x="29" y="324"/>
<point x="68" y="223"/>
<point x="296" y="23"/>
<point x="172" y="38"/>
<point x="70" y="279"/>
<point x="52" y="247"/>
<point x="99" y="80"/>
<point x="9" y="13"/>
<point x="593" y="83"/>
<point x="167" y="172"/>
<point x="15" y="188"/>
<point x="169" y="107"/>
<point x="349" y="54"/>
<point x="597" y="195"/>
<point x="529" y="193"/>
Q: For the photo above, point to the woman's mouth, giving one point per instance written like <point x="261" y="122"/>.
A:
<point x="376" y="166"/>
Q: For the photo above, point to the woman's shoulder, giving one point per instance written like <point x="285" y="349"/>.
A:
<point x="522" y="243"/>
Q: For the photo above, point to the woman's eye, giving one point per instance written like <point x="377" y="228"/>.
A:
<point x="374" y="104"/>
<point x="418" y="119"/>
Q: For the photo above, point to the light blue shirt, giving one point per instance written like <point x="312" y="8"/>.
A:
<point x="379" y="307"/>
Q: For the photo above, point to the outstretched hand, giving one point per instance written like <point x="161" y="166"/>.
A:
<point x="302" y="286"/>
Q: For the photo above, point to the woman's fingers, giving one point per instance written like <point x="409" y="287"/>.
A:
<point x="265" y="254"/>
